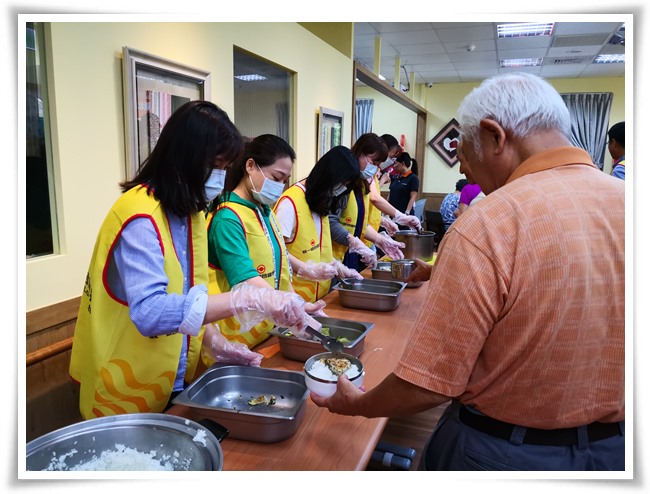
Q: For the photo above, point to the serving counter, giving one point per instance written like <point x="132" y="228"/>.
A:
<point x="323" y="440"/>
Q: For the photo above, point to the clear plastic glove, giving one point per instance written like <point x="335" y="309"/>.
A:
<point x="342" y="271"/>
<point x="316" y="271"/>
<point x="389" y="225"/>
<point x="251" y="305"/>
<point x="217" y="349"/>
<point x="390" y="247"/>
<point x="315" y="308"/>
<point x="384" y="179"/>
<point x="368" y="257"/>
<point x="407" y="220"/>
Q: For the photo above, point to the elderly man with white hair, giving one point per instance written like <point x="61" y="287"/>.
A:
<point x="523" y="328"/>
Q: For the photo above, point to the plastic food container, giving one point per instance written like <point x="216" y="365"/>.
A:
<point x="374" y="295"/>
<point x="301" y="348"/>
<point x="223" y="392"/>
<point x="327" y="387"/>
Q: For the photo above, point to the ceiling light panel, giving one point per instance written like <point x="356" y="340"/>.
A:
<point x="524" y="29"/>
<point x="521" y="62"/>
<point x="617" y="58"/>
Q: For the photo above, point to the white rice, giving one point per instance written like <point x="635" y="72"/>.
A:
<point x="319" y="369"/>
<point x="122" y="458"/>
<point x="200" y="437"/>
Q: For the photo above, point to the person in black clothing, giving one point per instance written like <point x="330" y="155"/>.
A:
<point x="404" y="189"/>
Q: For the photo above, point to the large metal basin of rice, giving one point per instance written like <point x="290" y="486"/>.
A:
<point x="181" y="443"/>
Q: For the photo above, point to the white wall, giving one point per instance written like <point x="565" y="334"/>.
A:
<point x="85" y="77"/>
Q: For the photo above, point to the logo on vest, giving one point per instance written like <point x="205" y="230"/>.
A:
<point x="312" y="242"/>
<point x="261" y="269"/>
<point x="348" y="220"/>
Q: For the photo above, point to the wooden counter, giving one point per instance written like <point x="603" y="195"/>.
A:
<point x="326" y="441"/>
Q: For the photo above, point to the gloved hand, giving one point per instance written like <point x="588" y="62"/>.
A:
<point x="316" y="271"/>
<point x="368" y="257"/>
<point x="389" y="225"/>
<point x="390" y="247"/>
<point x="217" y="349"/>
<point x="315" y="308"/>
<point x="342" y="271"/>
<point x="407" y="220"/>
<point x="251" y="305"/>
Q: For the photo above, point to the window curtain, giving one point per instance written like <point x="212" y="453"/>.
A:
<point x="282" y="120"/>
<point x="363" y="116"/>
<point x="589" y="122"/>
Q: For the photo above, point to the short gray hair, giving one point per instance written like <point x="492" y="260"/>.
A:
<point x="521" y="103"/>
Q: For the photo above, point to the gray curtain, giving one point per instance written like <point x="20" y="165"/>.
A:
<point x="363" y="116"/>
<point x="589" y="122"/>
<point x="282" y="120"/>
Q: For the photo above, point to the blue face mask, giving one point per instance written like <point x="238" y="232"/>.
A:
<point x="369" y="171"/>
<point x="387" y="163"/>
<point x="215" y="184"/>
<point x="270" y="191"/>
<point x="339" y="190"/>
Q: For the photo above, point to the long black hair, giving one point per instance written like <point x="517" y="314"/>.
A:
<point x="184" y="156"/>
<point x="265" y="150"/>
<point x="337" y="167"/>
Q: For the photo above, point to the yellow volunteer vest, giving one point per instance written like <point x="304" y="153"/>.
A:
<point x="262" y="257"/>
<point x="307" y="245"/>
<point x="348" y="218"/>
<point x="119" y="369"/>
<point x="374" y="215"/>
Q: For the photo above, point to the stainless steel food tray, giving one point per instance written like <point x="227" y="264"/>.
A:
<point x="377" y="295"/>
<point x="301" y="348"/>
<point x="383" y="272"/>
<point x="221" y="393"/>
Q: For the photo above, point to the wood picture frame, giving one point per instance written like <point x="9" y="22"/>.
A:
<point x="330" y="130"/>
<point x="154" y="88"/>
<point x="446" y="141"/>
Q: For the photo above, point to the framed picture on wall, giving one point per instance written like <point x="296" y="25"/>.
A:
<point x="154" y="88"/>
<point x="330" y="130"/>
<point x="446" y="141"/>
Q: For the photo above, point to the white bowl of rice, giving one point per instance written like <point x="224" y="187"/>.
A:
<point x="322" y="372"/>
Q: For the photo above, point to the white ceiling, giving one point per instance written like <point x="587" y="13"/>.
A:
<point x="439" y="52"/>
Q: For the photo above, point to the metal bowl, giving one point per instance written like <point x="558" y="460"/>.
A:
<point x="179" y="443"/>
<point x="417" y="245"/>
<point x="402" y="268"/>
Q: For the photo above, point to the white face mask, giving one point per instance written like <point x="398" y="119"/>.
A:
<point x="215" y="184"/>
<point x="339" y="190"/>
<point x="270" y="191"/>
<point x="387" y="163"/>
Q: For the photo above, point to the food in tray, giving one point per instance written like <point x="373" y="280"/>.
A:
<point x="262" y="400"/>
<point x="326" y="331"/>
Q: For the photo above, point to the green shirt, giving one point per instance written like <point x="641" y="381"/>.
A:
<point x="227" y="246"/>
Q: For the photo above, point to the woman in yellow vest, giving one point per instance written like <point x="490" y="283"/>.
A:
<point x="350" y="227"/>
<point x="302" y="213"/>
<point x="245" y="244"/>
<point x="140" y="327"/>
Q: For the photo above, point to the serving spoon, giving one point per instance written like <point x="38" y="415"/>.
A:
<point x="330" y="344"/>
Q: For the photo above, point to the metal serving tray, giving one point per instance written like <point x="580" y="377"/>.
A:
<point x="366" y="294"/>
<point x="383" y="272"/>
<point x="222" y="392"/>
<point x="301" y="348"/>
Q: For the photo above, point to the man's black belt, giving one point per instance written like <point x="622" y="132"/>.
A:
<point x="554" y="437"/>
